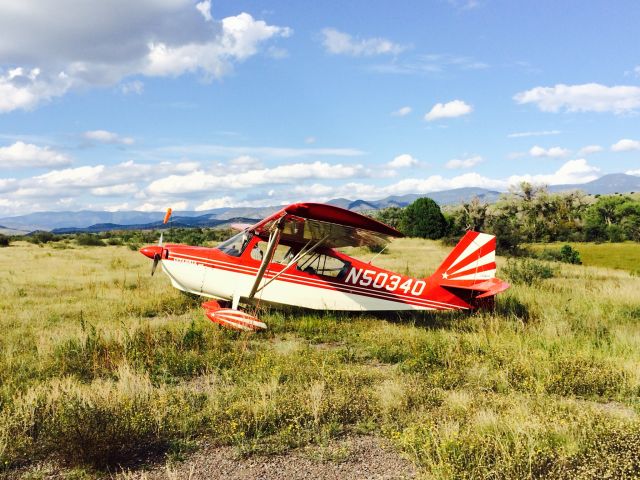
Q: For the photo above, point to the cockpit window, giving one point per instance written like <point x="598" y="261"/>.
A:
<point x="321" y="264"/>
<point x="235" y="245"/>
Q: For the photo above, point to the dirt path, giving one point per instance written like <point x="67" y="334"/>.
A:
<point x="352" y="458"/>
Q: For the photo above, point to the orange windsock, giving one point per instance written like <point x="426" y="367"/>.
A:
<point x="167" y="216"/>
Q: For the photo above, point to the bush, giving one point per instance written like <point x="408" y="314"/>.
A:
<point x="114" y="241"/>
<point x="566" y="254"/>
<point x="41" y="236"/>
<point x="4" y="241"/>
<point x="89" y="240"/>
<point x="527" y="271"/>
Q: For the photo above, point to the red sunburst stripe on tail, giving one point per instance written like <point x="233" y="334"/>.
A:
<point x="474" y="256"/>
<point x="472" y="271"/>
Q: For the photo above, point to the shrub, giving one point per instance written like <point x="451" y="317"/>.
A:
<point x="527" y="271"/>
<point x="41" y="236"/>
<point x="89" y="240"/>
<point x="4" y="240"/>
<point x="114" y="241"/>
<point x="566" y="254"/>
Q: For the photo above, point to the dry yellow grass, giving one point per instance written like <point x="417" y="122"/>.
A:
<point x="101" y="362"/>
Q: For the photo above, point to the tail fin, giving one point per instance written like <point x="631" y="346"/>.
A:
<point x="473" y="258"/>
<point x="471" y="266"/>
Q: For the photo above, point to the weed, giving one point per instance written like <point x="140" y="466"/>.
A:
<point x="527" y="271"/>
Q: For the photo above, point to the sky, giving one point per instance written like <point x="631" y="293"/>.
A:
<point x="201" y="104"/>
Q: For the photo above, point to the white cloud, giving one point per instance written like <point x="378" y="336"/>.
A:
<point x="24" y="89"/>
<point x="553" y="152"/>
<point x="464" y="162"/>
<point x="634" y="172"/>
<point x="573" y="171"/>
<point x="589" y="97"/>
<point x="204" y="8"/>
<point x="100" y="44"/>
<point x="310" y="140"/>
<point x="221" y="202"/>
<point x="135" y="86"/>
<point x="403" y="161"/>
<point x="241" y="37"/>
<point x="115" y="190"/>
<point x="402" y="112"/>
<point x="244" y="163"/>
<point x="430" y="64"/>
<point x="464" y="4"/>
<point x="625" y="145"/>
<point x="72" y="177"/>
<point x="104" y="136"/>
<point x="7" y="184"/>
<point x="589" y="149"/>
<point x="540" y="133"/>
<point x="201" y="181"/>
<point x="340" y="43"/>
<point x="455" y="108"/>
<point x="161" y="207"/>
<point x="22" y="154"/>
<point x="314" y="190"/>
<point x="261" y="152"/>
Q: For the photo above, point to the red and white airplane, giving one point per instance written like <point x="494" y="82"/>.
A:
<point x="291" y="258"/>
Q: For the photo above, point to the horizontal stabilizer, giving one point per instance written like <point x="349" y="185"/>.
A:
<point x="488" y="288"/>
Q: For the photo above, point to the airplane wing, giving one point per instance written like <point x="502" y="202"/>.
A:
<point x="334" y="226"/>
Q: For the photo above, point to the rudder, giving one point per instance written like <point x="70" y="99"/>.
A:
<point x="473" y="259"/>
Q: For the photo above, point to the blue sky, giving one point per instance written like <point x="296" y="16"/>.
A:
<point x="142" y="105"/>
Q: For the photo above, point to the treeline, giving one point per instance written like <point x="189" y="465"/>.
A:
<point x="134" y="239"/>
<point x="525" y="214"/>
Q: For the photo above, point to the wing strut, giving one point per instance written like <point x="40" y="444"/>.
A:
<point x="274" y="238"/>
<point x="306" y="250"/>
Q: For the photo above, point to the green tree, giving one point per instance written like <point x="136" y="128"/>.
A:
<point x="391" y="216"/>
<point x="423" y="218"/>
<point x="613" y="218"/>
<point x="470" y="215"/>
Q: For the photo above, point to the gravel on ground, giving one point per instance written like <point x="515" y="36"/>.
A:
<point x="360" y="457"/>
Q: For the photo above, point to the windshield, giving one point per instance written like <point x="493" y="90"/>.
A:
<point x="235" y="245"/>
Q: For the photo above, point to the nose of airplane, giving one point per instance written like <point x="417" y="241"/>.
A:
<point x="152" y="251"/>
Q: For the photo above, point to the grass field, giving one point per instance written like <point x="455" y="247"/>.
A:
<point x="624" y="256"/>
<point x="101" y="364"/>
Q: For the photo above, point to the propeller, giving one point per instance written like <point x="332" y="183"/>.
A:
<point x="156" y="259"/>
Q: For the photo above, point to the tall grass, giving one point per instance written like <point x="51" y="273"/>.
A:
<point x="101" y="364"/>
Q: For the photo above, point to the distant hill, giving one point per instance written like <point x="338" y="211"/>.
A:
<point x="180" y="222"/>
<point x="94" y="221"/>
<point x="613" y="183"/>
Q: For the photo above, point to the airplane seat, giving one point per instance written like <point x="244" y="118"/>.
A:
<point x="256" y="253"/>
<point x="343" y="271"/>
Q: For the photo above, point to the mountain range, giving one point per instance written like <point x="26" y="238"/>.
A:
<point x="93" y="221"/>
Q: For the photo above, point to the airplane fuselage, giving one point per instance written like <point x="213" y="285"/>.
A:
<point x="212" y="273"/>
